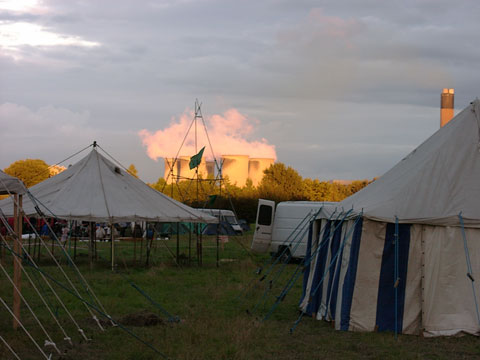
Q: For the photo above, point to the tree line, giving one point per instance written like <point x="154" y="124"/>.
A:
<point x="279" y="183"/>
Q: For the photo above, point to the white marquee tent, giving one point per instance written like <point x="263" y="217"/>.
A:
<point x="10" y="185"/>
<point x="364" y="280"/>
<point x="95" y="189"/>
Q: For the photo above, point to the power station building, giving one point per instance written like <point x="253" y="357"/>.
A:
<point x="238" y="169"/>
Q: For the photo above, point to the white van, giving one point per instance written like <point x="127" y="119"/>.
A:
<point x="280" y="228"/>
<point x="226" y="216"/>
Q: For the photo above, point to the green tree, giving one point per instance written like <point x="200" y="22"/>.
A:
<point x="133" y="170"/>
<point x="281" y="183"/>
<point x="30" y="171"/>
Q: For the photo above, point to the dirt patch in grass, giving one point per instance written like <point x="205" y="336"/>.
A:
<point x="141" y="318"/>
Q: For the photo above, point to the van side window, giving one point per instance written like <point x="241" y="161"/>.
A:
<point x="265" y="215"/>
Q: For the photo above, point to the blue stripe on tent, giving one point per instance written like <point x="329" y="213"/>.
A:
<point x="350" y="276"/>
<point x="386" y="292"/>
<point x="306" y="270"/>
<point x="337" y="237"/>
<point x="336" y="269"/>
<point x="314" y="302"/>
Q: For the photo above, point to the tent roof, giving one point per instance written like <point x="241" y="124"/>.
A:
<point x="10" y="185"/>
<point x="434" y="183"/>
<point x="95" y="189"/>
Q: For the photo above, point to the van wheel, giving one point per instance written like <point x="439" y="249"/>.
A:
<point x="284" y="254"/>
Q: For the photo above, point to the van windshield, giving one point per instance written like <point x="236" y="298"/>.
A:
<point x="231" y="219"/>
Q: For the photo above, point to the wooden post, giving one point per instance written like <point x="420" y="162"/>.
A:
<point x="17" y="248"/>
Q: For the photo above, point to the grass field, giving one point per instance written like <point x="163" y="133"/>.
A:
<point x="212" y="303"/>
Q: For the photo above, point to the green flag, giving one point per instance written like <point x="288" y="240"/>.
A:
<point x="195" y="160"/>
<point x="211" y="199"/>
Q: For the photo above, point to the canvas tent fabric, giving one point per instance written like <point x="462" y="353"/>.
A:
<point x="10" y="185"/>
<point x="364" y="279"/>
<point x="434" y="182"/>
<point x="95" y="189"/>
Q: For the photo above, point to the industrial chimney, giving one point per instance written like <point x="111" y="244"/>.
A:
<point x="446" y="106"/>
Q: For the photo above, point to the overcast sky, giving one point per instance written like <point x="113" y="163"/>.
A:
<point x="336" y="89"/>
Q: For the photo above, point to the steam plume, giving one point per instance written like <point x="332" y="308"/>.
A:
<point x="229" y="134"/>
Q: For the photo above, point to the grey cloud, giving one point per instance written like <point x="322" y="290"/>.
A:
<point x="381" y="80"/>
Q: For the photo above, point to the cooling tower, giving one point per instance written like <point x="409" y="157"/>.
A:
<point x="236" y="168"/>
<point x="210" y="168"/>
<point x="202" y="169"/>
<point x="256" y="166"/>
<point x="186" y="173"/>
<point x="184" y="168"/>
<point x="174" y="172"/>
<point x="446" y="106"/>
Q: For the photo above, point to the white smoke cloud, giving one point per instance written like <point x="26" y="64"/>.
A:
<point x="230" y="134"/>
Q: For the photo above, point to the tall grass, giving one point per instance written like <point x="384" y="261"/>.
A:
<point x="214" y="321"/>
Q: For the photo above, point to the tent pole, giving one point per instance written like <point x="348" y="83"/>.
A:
<point x="75" y="247"/>
<point x="112" y="246"/>
<point x="218" y="240"/>
<point x="134" y="248"/>
<point x="178" y="243"/>
<point x="141" y="246"/>
<point x="189" y="244"/>
<point x="201" y="249"/>
<point x="422" y="284"/>
<point x="2" y="256"/>
<point x="29" y="245"/>
<point x="396" y="278"/>
<point x="196" y="239"/>
<point x="90" y="245"/>
<point x="17" y="246"/>
<point x="53" y="247"/>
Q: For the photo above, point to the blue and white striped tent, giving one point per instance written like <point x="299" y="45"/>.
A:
<point x="360" y="277"/>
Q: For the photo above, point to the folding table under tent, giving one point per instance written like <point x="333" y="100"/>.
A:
<point x="402" y="254"/>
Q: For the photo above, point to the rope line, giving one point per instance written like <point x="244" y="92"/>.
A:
<point x="58" y="264"/>
<point x="328" y="269"/>
<point x="273" y="258"/>
<point x="305" y="262"/>
<point x="130" y="332"/>
<point x="83" y="282"/>
<point x="9" y="348"/>
<point x="30" y="309"/>
<point x="30" y="259"/>
<point x="469" y="265"/>
<point x="285" y="261"/>
<point x="24" y="329"/>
